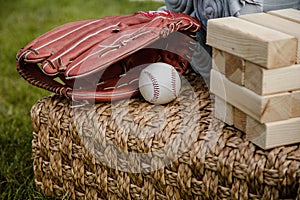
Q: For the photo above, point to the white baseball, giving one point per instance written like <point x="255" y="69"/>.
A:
<point x="159" y="83"/>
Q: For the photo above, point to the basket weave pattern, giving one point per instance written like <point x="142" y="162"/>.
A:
<point x="83" y="152"/>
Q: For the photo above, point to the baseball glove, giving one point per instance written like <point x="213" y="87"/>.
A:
<point x="101" y="59"/>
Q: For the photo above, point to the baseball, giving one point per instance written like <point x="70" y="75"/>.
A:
<point x="159" y="83"/>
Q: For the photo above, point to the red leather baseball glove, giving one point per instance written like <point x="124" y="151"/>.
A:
<point x="101" y="59"/>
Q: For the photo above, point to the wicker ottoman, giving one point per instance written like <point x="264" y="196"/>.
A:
<point x="134" y="150"/>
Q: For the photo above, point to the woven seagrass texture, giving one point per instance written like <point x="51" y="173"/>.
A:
<point x="131" y="149"/>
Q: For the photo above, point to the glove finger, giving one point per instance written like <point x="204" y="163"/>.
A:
<point x="103" y="96"/>
<point x="42" y="46"/>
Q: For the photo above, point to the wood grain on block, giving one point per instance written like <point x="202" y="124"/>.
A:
<point x="290" y="14"/>
<point x="223" y="111"/>
<point x="296" y="103"/>
<point x="254" y="78"/>
<point x="269" y="81"/>
<point x="262" y="108"/>
<point x="273" y="134"/>
<point x="252" y="42"/>
<point x="218" y="60"/>
<point x="239" y="119"/>
<point x="234" y="68"/>
<point x="276" y="23"/>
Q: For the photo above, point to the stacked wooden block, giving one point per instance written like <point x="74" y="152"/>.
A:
<point x="256" y="75"/>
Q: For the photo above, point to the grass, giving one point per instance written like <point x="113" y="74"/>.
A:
<point x="21" y="21"/>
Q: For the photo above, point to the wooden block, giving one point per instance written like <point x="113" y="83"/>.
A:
<point x="265" y="82"/>
<point x="273" y="134"/>
<point x="223" y="111"/>
<point x="252" y="42"/>
<point x="296" y="103"/>
<point x="290" y="14"/>
<point x="276" y="23"/>
<point x="234" y="68"/>
<point x="239" y="119"/>
<point x="218" y="60"/>
<point x="262" y="108"/>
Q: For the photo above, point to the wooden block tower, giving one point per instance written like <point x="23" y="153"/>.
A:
<point x="256" y="75"/>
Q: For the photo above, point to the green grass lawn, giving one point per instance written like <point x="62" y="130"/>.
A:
<point x="21" y="21"/>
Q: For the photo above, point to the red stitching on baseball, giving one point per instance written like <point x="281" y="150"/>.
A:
<point x="155" y="87"/>
<point x="173" y="81"/>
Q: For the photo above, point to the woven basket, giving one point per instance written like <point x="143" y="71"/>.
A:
<point x="131" y="149"/>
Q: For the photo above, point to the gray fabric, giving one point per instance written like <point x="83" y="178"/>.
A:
<point x="210" y="9"/>
<point x="280" y="4"/>
<point x="183" y="6"/>
<point x="202" y="62"/>
<point x="252" y="8"/>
